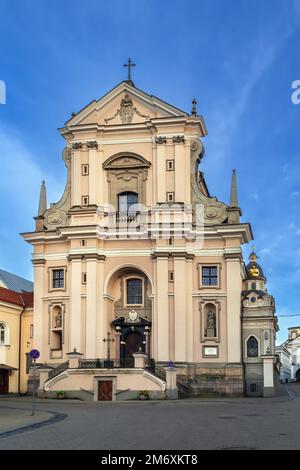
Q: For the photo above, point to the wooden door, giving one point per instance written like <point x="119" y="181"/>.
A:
<point x="133" y="344"/>
<point x="105" y="390"/>
<point x="3" y="381"/>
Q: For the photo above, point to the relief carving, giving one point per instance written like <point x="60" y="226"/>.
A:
<point x="214" y="211"/>
<point x="56" y="215"/>
<point x="178" y="139"/>
<point x="160" y="140"/>
<point x="92" y="144"/>
<point x="127" y="111"/>
<point x="77" y="145"/>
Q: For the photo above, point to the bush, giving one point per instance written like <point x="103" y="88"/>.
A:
<point x="144" y="395"/>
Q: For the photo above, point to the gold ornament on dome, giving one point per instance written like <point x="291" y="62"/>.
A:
<point x="254" y="271"/>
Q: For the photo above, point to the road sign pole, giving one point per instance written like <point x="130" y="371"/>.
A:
<point x="33" y="390"/>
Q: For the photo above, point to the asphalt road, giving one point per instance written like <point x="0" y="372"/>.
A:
<point x="180" y="425"/>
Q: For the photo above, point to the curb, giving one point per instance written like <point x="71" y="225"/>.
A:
<point x="54" y="418"/>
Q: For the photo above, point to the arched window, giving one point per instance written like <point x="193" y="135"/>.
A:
<point x="252" y="347"/>
<point x="134" y="291"/>
<point x="3" y="334"/>
<point x="125" y="201"/>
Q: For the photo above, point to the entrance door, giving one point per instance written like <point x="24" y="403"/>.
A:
<point x="133" y="344"/>
<point x="105" y="390"/>
<point x="3" y="381"/>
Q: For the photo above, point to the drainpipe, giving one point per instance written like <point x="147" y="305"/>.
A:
<point x="20" y="344"/>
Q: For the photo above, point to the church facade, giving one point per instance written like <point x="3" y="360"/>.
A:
<point x="138" y="257"/>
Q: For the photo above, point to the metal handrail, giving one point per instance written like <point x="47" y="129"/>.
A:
<point x="58" y="370"/>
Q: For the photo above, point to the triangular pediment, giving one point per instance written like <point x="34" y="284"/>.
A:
<point x="125" y="104"/>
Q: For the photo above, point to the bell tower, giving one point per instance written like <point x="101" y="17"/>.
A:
<point x="259" y="327"/>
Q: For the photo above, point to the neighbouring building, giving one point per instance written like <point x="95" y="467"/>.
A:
<point x="292" y="344"/>
<point x="16" y="332"/>
<point x="284" y="356"/>
<point x="138" y="257"/>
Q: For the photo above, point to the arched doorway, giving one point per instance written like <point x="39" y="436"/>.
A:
<point x="298" y="375"/>
<point x="130" y="307"/>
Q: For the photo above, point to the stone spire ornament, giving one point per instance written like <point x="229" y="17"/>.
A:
<point x="194" y="108"/>
<point x="233" y="211"/>
<point x="43" y="200"/>
<point x="233" y="192"/>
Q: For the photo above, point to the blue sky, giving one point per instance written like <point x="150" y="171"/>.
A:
<point x="238" y="58"/>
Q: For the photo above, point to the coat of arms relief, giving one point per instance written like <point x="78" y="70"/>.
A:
<point x="127" y="111"/>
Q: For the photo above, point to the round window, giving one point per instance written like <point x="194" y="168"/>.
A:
<point x="253" y="299"/>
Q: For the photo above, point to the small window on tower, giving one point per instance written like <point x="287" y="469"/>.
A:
<point x="170" y="197"/>
<point x="171" y="276"/>
<point x="85" y="200"/>
<point x="85" y="169"/>
<point x="252" y="347"/>
<point x="83" y="278"/>
<point x="170" y="165"/>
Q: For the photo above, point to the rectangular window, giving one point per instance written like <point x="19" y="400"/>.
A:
<point x="58" y="278"/>
<point x="209" y="276"/>
<point x="170" y="165"/>
<point x="82" y="242"/>
<point x="134" y="292"/>
<point x="170" y="197"/>
<point x="31" y="331"/>
<point x="83" y="278"/>
<point x="85" y="169"/>
<point x="85" y="200"/>
<point x="171" y="276"/>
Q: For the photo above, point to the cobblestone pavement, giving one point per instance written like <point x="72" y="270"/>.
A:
<point x="186" y="424"/>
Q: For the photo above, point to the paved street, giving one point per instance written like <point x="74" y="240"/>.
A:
<point x="186" y="424"/>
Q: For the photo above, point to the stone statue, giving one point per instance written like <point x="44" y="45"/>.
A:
<point x="211" y="319"/>
<point x="211" y="324"/>
<point x="58" y="320"/>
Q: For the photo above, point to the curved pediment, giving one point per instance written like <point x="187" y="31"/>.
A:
<point x="124" y="160"/>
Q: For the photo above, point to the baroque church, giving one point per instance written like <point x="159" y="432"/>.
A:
<point x="139" y="278"/>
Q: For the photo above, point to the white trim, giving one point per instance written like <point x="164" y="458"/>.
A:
<point x="6" y="333"/>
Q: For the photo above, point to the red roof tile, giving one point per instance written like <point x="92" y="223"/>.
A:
<point x="23" y="299"/>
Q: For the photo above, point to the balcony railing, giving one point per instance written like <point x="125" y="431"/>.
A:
<point x="127" y="362"/>
<point x="126" y="217"/>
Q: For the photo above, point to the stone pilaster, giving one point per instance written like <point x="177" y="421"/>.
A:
<point x="161" y="319"/>
<point x="76" y="178"/>
<point x="38" y="314"/>
<point x="75" y="303"/>
<point x="233" y="308"/>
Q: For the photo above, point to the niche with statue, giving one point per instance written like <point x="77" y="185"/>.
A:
<point x="56" y="341"/>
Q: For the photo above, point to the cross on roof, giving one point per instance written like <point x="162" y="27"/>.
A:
<point x="129" y="65"/>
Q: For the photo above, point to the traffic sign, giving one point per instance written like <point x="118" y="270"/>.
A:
<point x="34" y="354"/>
